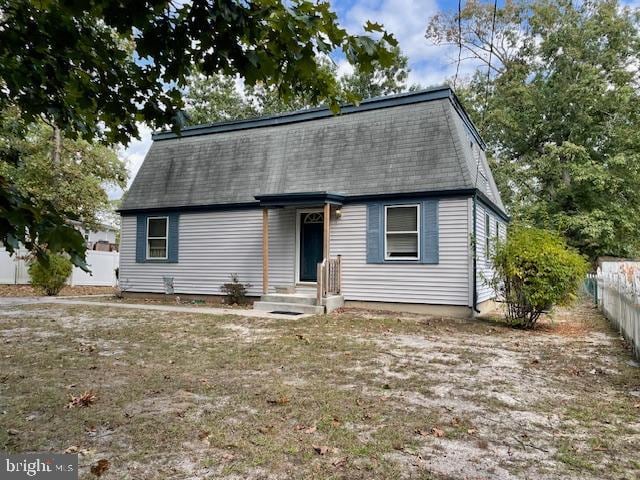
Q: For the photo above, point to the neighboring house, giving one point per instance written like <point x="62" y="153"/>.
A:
<point x="381" y="204"/>
<point x="102" y="239"/>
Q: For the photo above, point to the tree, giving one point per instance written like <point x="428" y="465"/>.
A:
<point x="74" y="182"/>
<point x="268" y="100"/>
<point x="95" y="69"/>
<point x="218" y="98"/>
<point x="215" y="98"/>
<point x="381" y="80"/>
<point x="474" y="29"/>
<point x="561" y="121"/>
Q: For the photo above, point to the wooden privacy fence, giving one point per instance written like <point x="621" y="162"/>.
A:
<point x="617" y="294"/>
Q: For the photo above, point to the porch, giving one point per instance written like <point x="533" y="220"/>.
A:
<point x="318" y="275"/>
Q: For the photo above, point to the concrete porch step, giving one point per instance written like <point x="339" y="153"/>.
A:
<point x="269" y="306"/>
<point x="307" y="299"/>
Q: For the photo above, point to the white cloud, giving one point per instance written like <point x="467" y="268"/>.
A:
<point x="407" y="19"/>
<point x="343" y="68"/>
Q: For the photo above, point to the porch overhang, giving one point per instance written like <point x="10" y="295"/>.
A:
<point x="299" y="199"/>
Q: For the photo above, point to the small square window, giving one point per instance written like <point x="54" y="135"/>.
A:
<point x="402" y="232"/>
<point x="157" y="237"/>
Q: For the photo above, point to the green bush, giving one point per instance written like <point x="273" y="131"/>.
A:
<point x="535" y="270"/>
<point x="235" y="290"/>
<point x="50" y="274"/>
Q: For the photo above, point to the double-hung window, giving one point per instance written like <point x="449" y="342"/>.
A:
<point x="157" y="237"/>
<point x="402" y="232"/>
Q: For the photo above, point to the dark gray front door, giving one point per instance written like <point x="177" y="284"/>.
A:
<point x="311" y="225"/>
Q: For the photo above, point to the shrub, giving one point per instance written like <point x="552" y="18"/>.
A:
<point x="50" y="274"/>
<point x="235" y="290"/>
<point x="535" y="270"/>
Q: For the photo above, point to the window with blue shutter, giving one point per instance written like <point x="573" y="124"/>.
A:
<point x="157" y="238"/>
<point x="395" y="241"/>
<point x="431" y="232"/>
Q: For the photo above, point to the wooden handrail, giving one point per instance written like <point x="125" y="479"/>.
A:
<point x="329" y="278"/>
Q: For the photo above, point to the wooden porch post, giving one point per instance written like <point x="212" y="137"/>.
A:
<point x="326" y="230"/>
<point x="265" y="250"/>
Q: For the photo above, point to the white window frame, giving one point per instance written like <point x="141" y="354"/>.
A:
<point x="393" y="259"/>
<point x="165" y="238"/>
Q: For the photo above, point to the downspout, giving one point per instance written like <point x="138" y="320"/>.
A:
<point x="475" y="254"/>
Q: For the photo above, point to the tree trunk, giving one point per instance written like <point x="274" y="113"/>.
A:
<point x="57" y="146"/>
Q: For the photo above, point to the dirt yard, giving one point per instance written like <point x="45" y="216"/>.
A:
<point x="350" y="395"/>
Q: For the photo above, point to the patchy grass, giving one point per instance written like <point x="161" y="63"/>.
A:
<point x="29" y="291"/>
<point x="349" y="395"/>
<point x="184" y="301"/>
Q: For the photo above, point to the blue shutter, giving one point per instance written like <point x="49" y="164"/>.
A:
<point x="141" y="239"/>
<point x="172" y="254"/>
<point x="375" y="233"/>
<point x="429" y="240"/>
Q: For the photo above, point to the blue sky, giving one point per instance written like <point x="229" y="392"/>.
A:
<point x="406" y="19"/>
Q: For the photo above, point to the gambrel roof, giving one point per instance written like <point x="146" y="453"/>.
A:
<point x="418" y="142"/>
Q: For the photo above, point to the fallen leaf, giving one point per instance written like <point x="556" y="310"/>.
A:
<point x="12" y="431"/>
<point x="335" y="422"/>
<point x="84" y="400"/>
<point x="437" y="432"/>
<point x="471" y="431"/>
<point x="422" y="433"/>
<point x="100" y="467"/>
<point x="282" y="400"/>
<point x="321" y="449"/>
<point x="228" y="456"/>
<point x="202" y="435"/>
<point x="77" y="449"/>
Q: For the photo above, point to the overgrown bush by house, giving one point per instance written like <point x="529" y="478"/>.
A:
<point x="235" y="290"/>
<point x="535" y="270"/>
<point x="50" y="275"/>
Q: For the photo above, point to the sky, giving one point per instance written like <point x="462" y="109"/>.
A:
<point x="406" y="19"/>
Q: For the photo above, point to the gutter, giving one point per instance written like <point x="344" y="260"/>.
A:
<point x="475" y="254"/>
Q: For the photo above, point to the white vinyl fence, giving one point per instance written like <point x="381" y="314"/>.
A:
<point x="617" y="293"/>
<point x="103" y="265"/>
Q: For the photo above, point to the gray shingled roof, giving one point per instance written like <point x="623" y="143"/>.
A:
<point x="421" y="143"/>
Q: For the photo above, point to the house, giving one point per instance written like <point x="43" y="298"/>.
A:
<point x="390" y="204"/>
<point x="102" y="239"/>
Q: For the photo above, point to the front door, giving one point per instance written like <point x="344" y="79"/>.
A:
<point x="311" y="225"/>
